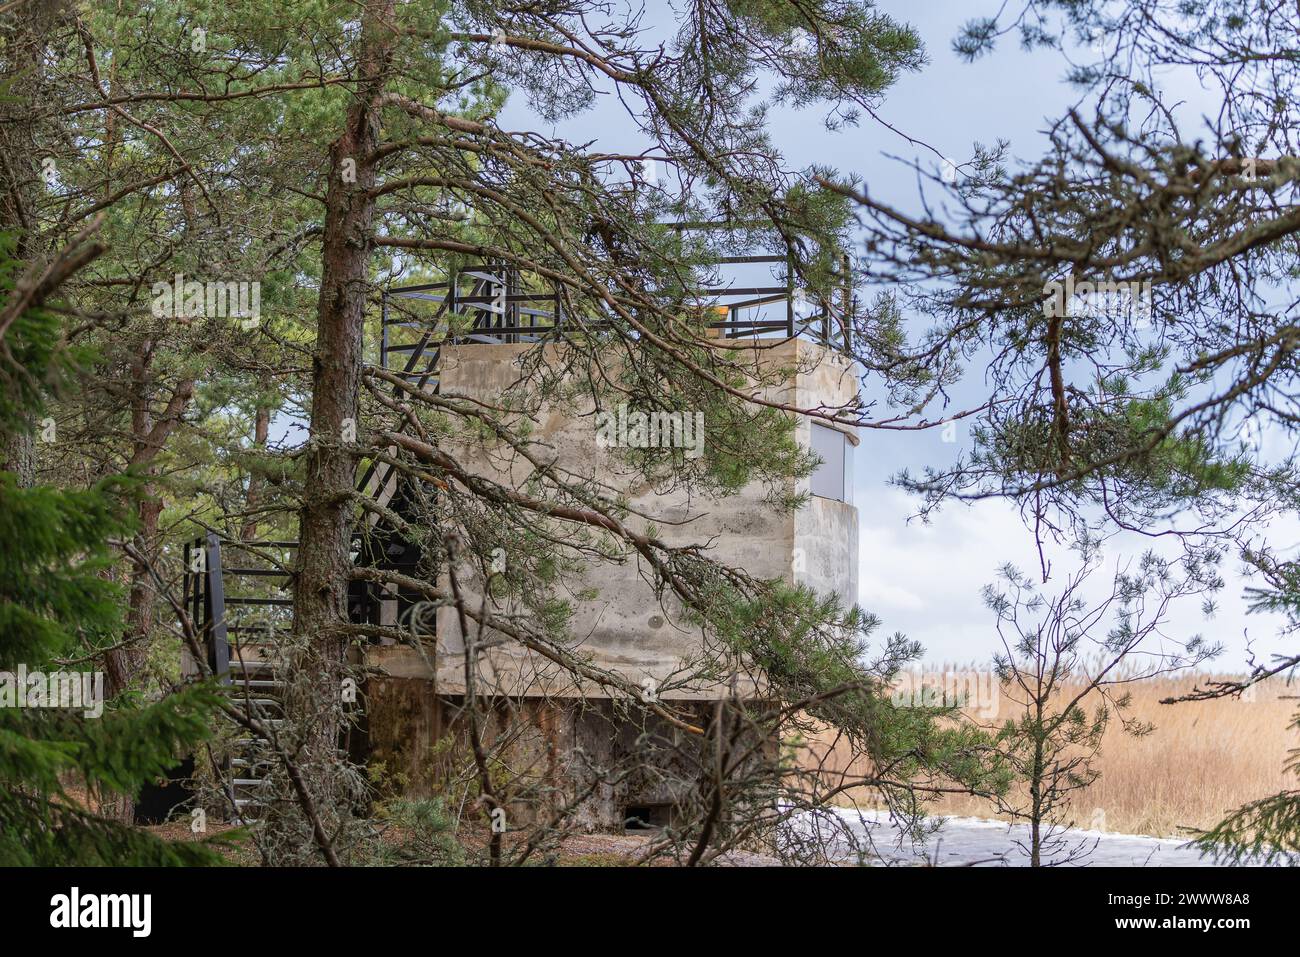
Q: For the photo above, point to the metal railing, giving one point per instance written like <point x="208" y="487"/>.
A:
<point x="505" y="311"/>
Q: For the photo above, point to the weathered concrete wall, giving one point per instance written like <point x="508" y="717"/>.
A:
<point x="824" y="544"/>
<point x="825" y="547"/>
<point x="626" y="628"/>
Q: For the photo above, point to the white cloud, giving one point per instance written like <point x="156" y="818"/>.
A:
<point x="925" y="580"/>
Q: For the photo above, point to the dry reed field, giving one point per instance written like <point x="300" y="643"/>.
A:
<point x="1202" y="760"/>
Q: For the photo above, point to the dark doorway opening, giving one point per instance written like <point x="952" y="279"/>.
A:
<point x="646" y="817"/>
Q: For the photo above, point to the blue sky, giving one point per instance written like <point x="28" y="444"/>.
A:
<point x="925" y="580"/>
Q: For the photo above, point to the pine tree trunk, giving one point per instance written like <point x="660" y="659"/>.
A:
<point x="20" y="183"/>
<point x="324" y="563"/>
<point x="1036" y="806"/>
<point x="18" y="455"/>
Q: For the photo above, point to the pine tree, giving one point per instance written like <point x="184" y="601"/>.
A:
<point x="1266" y="831"/>
<point x="1130" y="295"/>
<point x="324" y="190"/>
<point x="55" y="602"/>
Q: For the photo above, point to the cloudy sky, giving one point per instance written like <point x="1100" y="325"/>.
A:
<point x="925" y="580"/>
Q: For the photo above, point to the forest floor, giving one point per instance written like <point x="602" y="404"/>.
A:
<point x="958" y="842"/>
<point x="576" y="850"/>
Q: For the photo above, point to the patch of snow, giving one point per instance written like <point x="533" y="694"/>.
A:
<point x="969" y="841"/>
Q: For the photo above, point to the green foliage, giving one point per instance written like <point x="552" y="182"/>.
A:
<point x="56" y="601"/>
<point x="422" y="832"/>
<point x="1262" y="832"/>
<point x="30" y="362"/>
<point x="1266" y="831"/>
<point x="830" y="47"/>
<point x="813" y="653"/>
<point x="1125" y="440"/>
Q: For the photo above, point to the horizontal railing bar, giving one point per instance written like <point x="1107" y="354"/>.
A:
<point x="496" y="332"/>
<point x="740" y="291"/>
<point x="411" y="324"/>
<point x="605" y="324"/>
<point x="423" y="297"/>
<point x="476" y="300"/>
<point x="240" y="543"/>
<point x="491" y="335"/>
<point x="418" y="287"/>
<point x="750" y="303"/>
<point x="487" y="334"/>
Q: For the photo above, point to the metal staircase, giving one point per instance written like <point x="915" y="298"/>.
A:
<point x="239" y="608"/>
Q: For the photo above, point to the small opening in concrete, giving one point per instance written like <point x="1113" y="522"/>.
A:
<point x="645" y="817"/>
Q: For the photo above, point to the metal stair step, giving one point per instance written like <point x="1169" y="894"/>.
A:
<point x="258" y="665"/>
<point x="258" y="685"/>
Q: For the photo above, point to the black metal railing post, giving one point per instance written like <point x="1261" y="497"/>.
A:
<point x="789" y="296"/>
<point x="383" y="330"/>
<point x="215" y="609"/>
